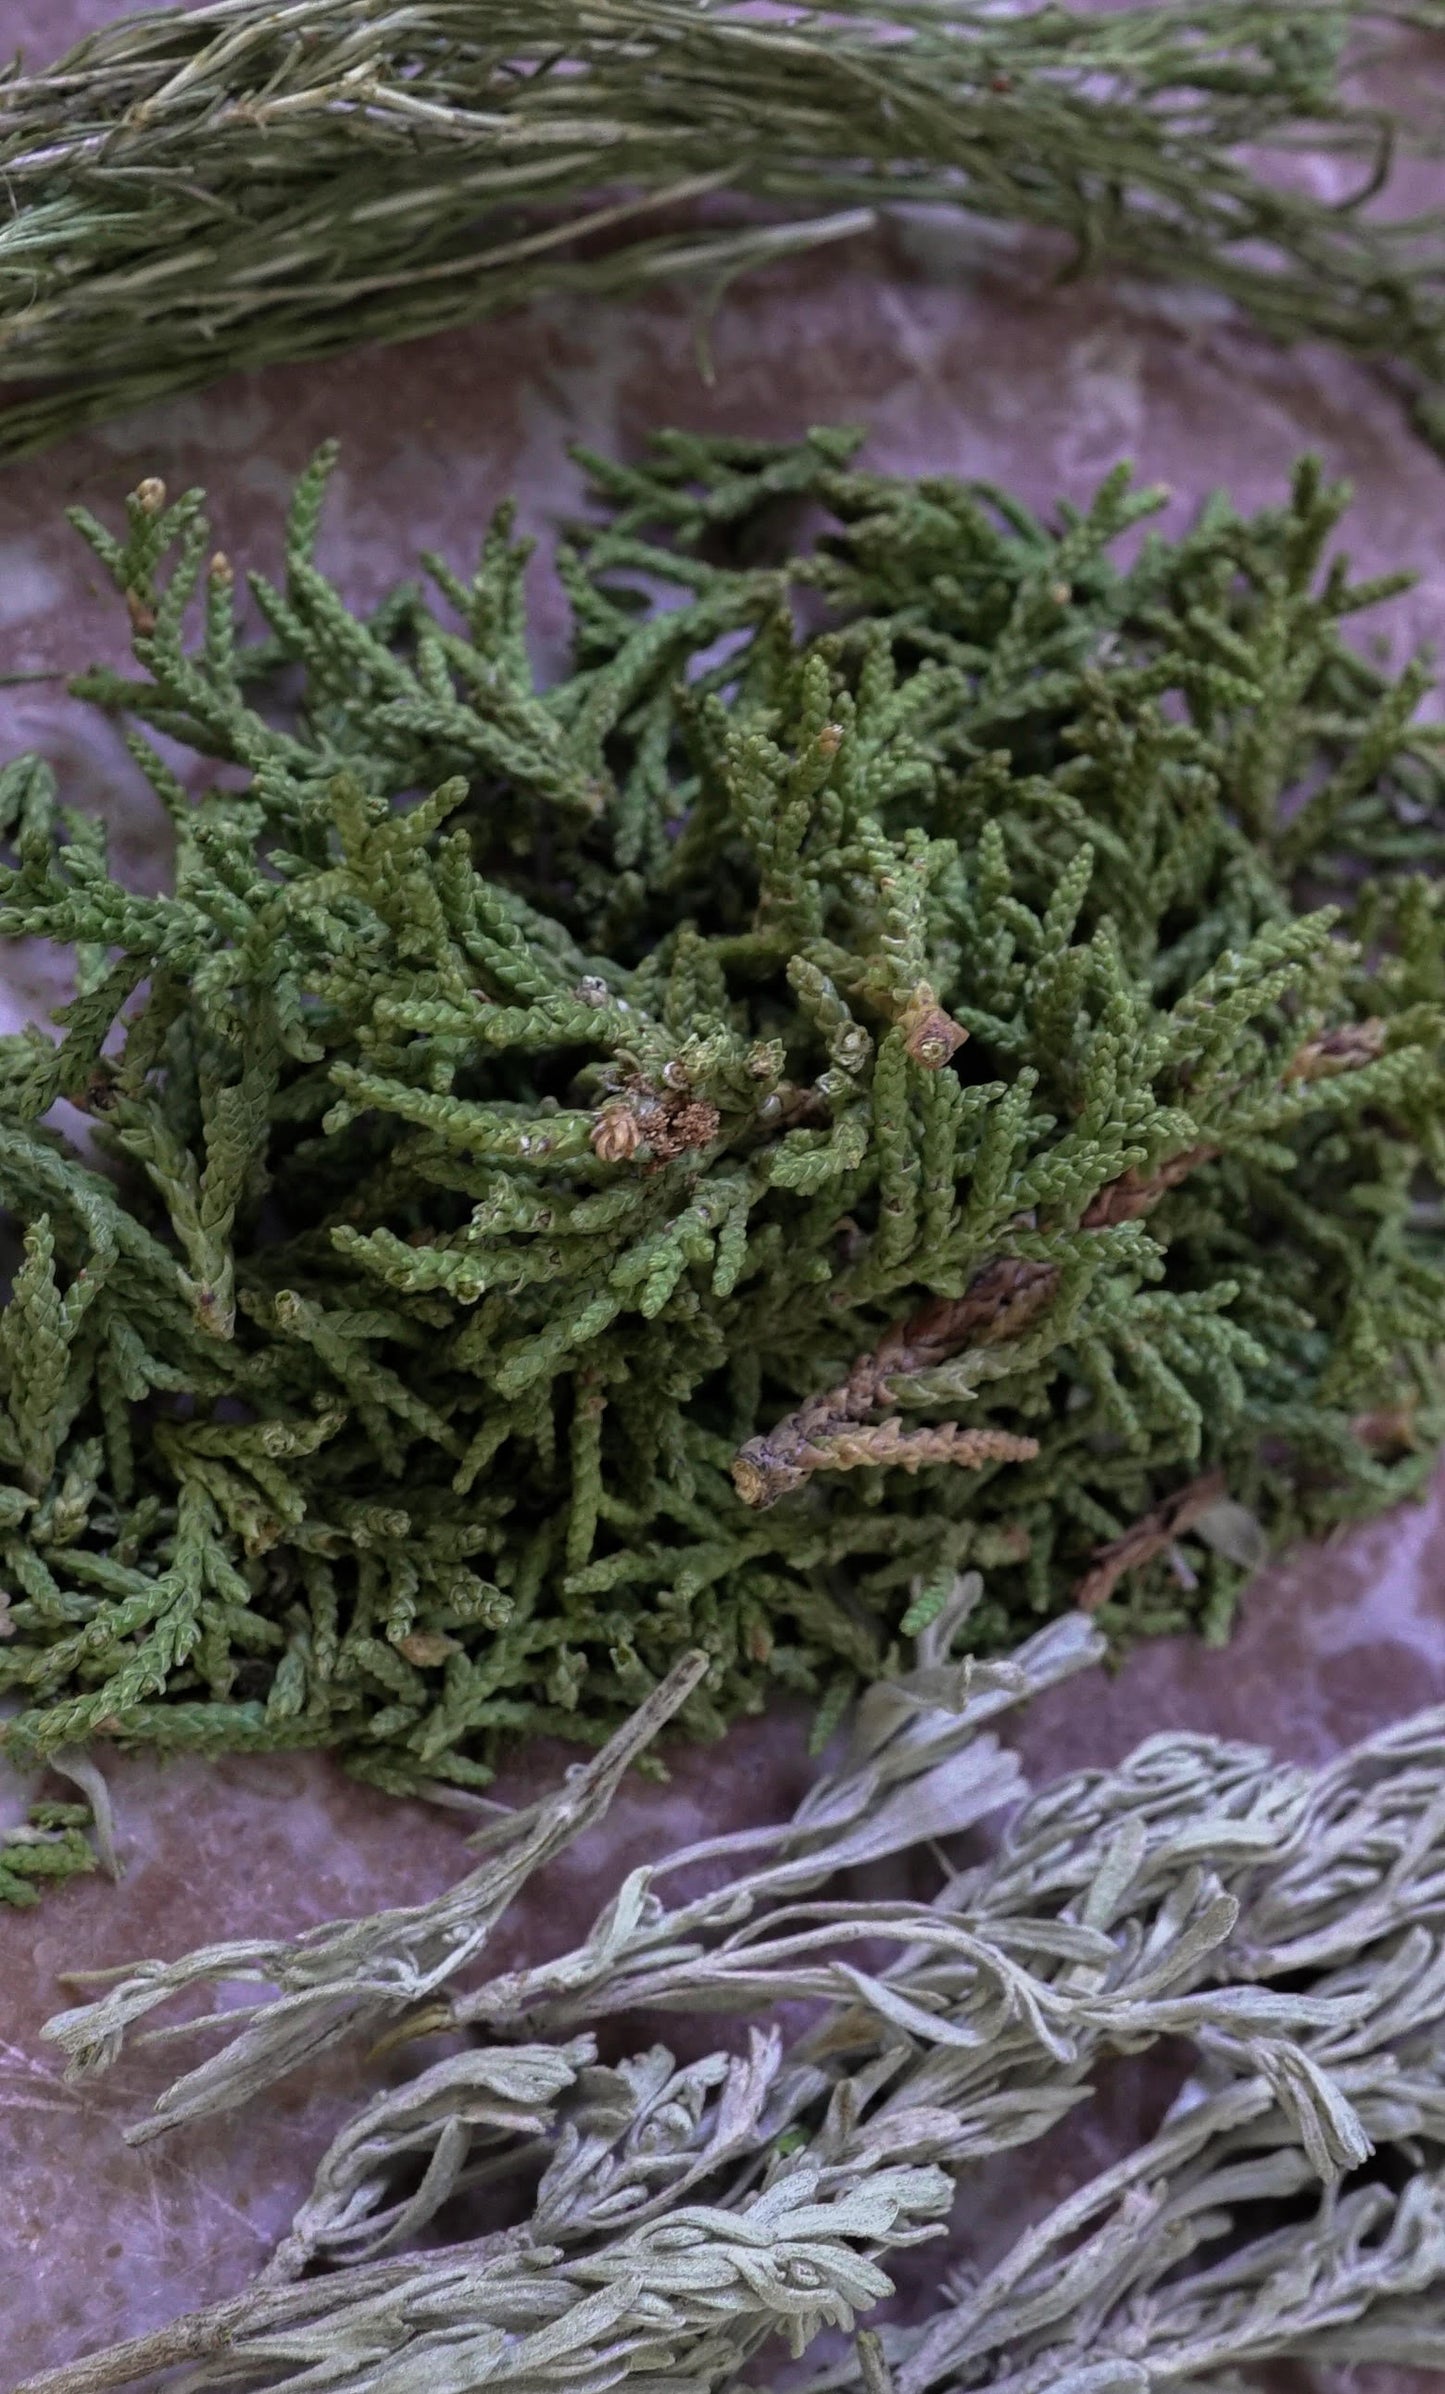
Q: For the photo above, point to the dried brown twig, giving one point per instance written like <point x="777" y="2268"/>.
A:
<point x="1000" y="1302"/>
<point x="1146" y="1538"/>
<point x="822" y="1435"/>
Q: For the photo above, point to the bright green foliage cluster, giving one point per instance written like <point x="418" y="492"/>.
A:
<point x="522" y="1101"/>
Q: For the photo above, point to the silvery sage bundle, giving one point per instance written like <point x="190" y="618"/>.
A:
<point x="671" y="2219"/>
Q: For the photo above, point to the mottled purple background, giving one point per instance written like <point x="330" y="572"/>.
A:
<point x="959" y="359"/>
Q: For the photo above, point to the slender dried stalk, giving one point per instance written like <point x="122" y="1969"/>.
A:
<point x="354" y="1976"/>
<point x="197" y="191"/>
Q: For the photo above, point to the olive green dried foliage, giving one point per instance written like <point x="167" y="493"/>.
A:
<point x="1278" y="1924"/>
<point x="195" y="190"/>
<point x="923" y="1055"/>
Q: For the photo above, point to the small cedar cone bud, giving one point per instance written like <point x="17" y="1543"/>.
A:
<point x="220" y="573"/>
<point x="141" y="613"/>
<point x="695" y="1125"/>
<point x="426" y="1647"/>
<point x="616" y="1134"/>
<point x="760" y="1477"/>
<point x="851" y="1047"/>
<point x="929" y="1035"/>
<point x="1060" y="593"/>
<point x="830" y="739"/>
<point x="150" y="495"/>
<point x="592" y="992"/>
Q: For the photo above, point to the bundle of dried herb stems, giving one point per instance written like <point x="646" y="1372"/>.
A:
<point x="196" y="190"/>
<point x="1280" y="1926"/>
<point x="920" y="1055"/>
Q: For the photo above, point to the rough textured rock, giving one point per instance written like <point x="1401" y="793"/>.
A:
<point x="956" y="365"/>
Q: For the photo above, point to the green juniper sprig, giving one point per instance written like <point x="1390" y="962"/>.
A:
<point x="920" y="1055"/>
<point x="46" y="1848"/>
<point x="1280" y="1926"/>
<point x="59" y="1840"/>
<point x="193" y="191"/>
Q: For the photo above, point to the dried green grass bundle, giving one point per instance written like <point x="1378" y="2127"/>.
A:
<point x="194" y="191"/>
<point x="923" y="1054"/>
<point x="1282" y="1926"/>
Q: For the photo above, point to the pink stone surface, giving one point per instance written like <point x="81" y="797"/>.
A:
<point x="957" y="362"/>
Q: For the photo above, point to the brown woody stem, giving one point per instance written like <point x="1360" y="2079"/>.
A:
<point x="1153" y="1534"/>
<point x="998" y="1302"/>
